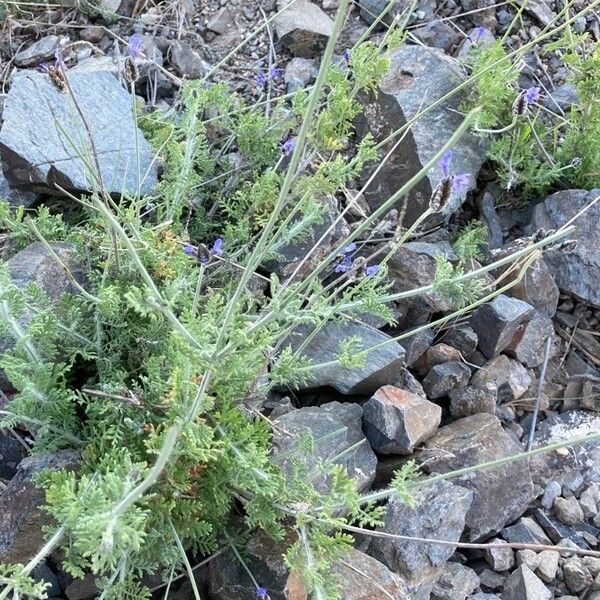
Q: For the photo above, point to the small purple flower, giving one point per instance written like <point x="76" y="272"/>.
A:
<point x="372" y="270"/>
<point x="460" y="184"/>
<point x="344" y="265"/>
<point x="532" y="95"/>
<point x="217" y="248"/>
<point x="261" y="80"/>
<point x="261" y="593"/>
<point x="288" y="146"/>
<point x="58" y="62"/>
<point x="349" y="249"/>
<point x="275" y="73"/>
<point x="445" y="163"/>
<point x="478" y="35"/>
<point x="135" y="46"/>
<point x="190" y="250"/>
<point x="346" y="55"/>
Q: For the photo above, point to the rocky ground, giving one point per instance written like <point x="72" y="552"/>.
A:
<point x="522" y="371"/>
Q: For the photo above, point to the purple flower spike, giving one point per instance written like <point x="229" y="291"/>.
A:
<point x="460" y="184"/>
<point x="344" y="266"/>
<point x="261" y="593"/>
<point x="135" y="46"/>
<point x="349" y="249"/>
<point x="190" y="250"/>
<point x="532" y="95"/>
<point x="288" y="146"/>
<point x="261" y="80"/>
<point x="275" y="73"/>
<point x="446" y="162"/>
<point x="372" y="270"/>
<point x="478" y="35"/>
<point x="217" y="248"/>
<point x="58" y="63"/>
<point x="346" y="55"/>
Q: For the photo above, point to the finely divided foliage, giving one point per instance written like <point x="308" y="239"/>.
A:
<point x="155" y="371"/>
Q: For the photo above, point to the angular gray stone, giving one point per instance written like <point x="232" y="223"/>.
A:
<point x="371" y="9"/>
<point x="299" y="73"/>
<point x="525" y="531"/>
<point x="416" y="345"/>
<point x="12" y="452"/>
<point x="552" y="491"/>
<point x="335" y="428"/>
<point x="510" y="378"/>
<point x="43" y="136"/>
<point x="381" y="367"/>
<point x="578" y="271"/>
<point x="229" y="580"/>
<point x="39" y="51"/>
<point x="463" y="338"/>
<point x="548" y="565"/>
<point x="437" y="34"/>
<point x="21" y="514"/>
<point x="440" y="514"/>
<point x="502" y="494"/>
<point x="418" y="77"/>
<point x="576" y="574"/>
<point x="443" y="379"/>
<point x="471" y="400"/>
<point x="187" y="62"/>
<point x="360" y="577"/>
<point x="568" y="510"/>
<point x="395" y="421"/>
<point x="221" y="22"/>
<point x="497" y="322"/>
<point x="562" y="99"/>
<point x="537" y="288"/>
<point x="303" y="27"/>
<point x="523" y="584"/>
<point x="15" y="197"/>
<point x="528" y="345"/>
<point x="456" y="582"/>
<point x="499" y="556"/>
<point x="490" y="580"/>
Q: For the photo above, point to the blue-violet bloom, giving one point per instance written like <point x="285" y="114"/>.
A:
<point x="190" y="250"/>
<point x="288" y="146"/>
<point x="344" y="265"/>
<point x="445" y="163"/>
<point x="135" y="46"/>
<point x="460" y="184"/>
<point x="349" y="248"/>
<point x="261" y="593"/>
<point x="372" y="270"/>
<point x="532" y="95"/>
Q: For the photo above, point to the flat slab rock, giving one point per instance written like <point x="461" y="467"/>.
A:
<point x="577" y="272"/>
<point x="418" y="77"/>
<point x="500" y="495"/>
<point x="43" y="136"/>
<point x="334" y="427"/>
<point x="382" y="365"/>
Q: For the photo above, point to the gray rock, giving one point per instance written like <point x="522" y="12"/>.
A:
<point x="440" y="514"/>
<point x="499" y="556"/>
<point x="42" y="572"/>
<point x="525" y="531"/>
<point x="416" y="345"/>
<point x="548" y="565"/>
<point x="436" y="355"/>
<point x="577" y="271"/>
<point x="456" y="582"/>
<point x="523" y="584"/>
<point x="360" y="577"/>
<point x="562" y="99"/>
<point x="299" y="73"/>
<point x="490" y="580"/>
<point x="510" y="378"/>
<point x="443" y="379"/>
<point x="500" y="495"/>
<point x="463" y="338"/>
<point x="39" y="51"/>
<point x="568" y="510"/>
<point x="529" y="558"/>
<point x="552" y="491"/>
<point x="528" y="345"/>
<point x="541" y="11"/>
<point x="303" y="28"/>
<point x="418" y="77"/>
<point x="437" y="34"/>
<point x="577" y="577"/>
<point x="395" y="421"/>
<point x="371" y="9"/>
<point x="538" y="288"/>
<point x="558" y="531"/>
<point x="381" y="366"/>
<point x="334" y="428"/>
<point x="407" y="381"/>
<point x="589" y="500"/>
<point x="187" y="62"/>
<point x="221" y="22"/>
<point x="43" y="136"/>
<point x="21" y="516"/>
<point x="229" y="580"/>
<point x="15" y="197"/>
<point x="484" y="596"/>
<point x="497" y="322"/>
<point x="12" y="452"/>
<point x="35" y="265"/>
<point x="590" y="396"/>
<point x="471" y="400"/>
<point x="580" y="458"/>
